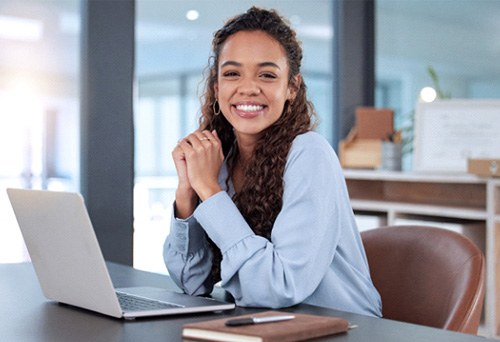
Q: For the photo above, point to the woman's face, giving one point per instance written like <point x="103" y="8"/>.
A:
<point x="252" y="84"/>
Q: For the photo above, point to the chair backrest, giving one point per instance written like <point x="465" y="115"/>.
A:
<point x="427" y="276"/>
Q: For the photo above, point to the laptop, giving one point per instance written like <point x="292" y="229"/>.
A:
<point x="70" y="266"/>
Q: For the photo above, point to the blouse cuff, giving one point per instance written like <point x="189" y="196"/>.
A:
<point x="187" y="236"/>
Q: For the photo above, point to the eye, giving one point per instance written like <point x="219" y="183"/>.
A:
<point x="230" y="74"/>
<point x="268" y="75"/>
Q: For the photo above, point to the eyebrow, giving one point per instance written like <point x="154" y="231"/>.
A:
<point x="238" y="64"/>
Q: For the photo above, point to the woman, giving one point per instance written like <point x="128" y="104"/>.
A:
<point x="261" y="202"/>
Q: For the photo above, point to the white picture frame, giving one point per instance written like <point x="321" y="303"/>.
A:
<point x="449" y="132"/>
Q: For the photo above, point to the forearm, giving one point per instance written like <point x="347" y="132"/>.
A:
<point x="185" y="202"/>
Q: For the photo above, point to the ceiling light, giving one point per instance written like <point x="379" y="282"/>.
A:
<point x="192" y="15"/>
<point x="20" y="28"/>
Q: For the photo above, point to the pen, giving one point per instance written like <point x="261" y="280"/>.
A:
<point x="257" y="320"/>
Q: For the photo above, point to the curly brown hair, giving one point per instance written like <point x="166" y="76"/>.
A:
<point x="260" y="199"/>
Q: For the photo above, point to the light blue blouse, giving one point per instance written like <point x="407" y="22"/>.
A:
<point x="315" y="255"/>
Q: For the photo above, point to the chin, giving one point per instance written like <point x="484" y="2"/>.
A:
<point x="250" y="131"/>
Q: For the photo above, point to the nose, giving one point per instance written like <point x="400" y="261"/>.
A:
<point x="248" y="86"/>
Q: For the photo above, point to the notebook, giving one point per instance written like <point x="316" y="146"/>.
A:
<point x="302" y="327"/>
<point x="70" y="266"/>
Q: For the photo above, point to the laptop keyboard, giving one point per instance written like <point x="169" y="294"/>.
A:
<point x="134" y="303"/>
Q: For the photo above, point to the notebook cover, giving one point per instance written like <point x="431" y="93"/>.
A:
<point x="302" y="327"/>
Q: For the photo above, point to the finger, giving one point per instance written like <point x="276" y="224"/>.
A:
<point x="211" y="137"/>
<point x="200" y="140"/>
<point x="178" y="153"/>
<point x="215" y="136"/>
<point x="183" y="144"/>
<point x="177" y="147"/>
<point x="206" y="136"/>
<point x="217" y="142"/>
<point x="194" y="139"/>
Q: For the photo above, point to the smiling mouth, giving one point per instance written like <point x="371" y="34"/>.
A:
<point x="249" y="111"/>
<point x="249" y="108"/>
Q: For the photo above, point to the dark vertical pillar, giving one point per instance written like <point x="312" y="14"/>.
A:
<point x="354" y="61"/>
<point x="107" y="139"/>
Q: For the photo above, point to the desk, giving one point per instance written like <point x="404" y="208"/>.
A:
<point x="27" y="316"/>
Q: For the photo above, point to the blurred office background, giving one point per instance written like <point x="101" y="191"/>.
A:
<point x="40" y="78"/>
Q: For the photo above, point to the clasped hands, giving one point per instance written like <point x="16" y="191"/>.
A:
<point x="198" y="159"/>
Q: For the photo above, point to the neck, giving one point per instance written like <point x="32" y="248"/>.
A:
<point x="238" y="171"/>
<point x="246" y="146"/>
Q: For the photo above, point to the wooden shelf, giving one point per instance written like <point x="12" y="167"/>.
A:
<point x="398" y="196"/>
<point x="413" y="176"/>
<point x="419" y="209"/>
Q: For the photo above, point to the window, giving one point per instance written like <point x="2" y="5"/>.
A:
<point x="458" y="39"/>
<point x="39" y="107"/>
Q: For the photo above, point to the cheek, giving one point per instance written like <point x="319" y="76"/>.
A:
<point x="282" y="95"/>
<point x="223" y="91"/>
<point x="223" y="99"/>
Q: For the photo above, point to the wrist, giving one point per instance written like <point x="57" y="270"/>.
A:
<point x="208" y="192"/>
<point x="185" y="203"/>
<point x="185" y="192"/>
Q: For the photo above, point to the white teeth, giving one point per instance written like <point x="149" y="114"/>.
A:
<point x="249" y="108"/>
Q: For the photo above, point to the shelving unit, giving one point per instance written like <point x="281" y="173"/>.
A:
<point x="464" y="199"/>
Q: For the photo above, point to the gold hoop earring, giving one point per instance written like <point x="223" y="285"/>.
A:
<point x="216" y="105"/>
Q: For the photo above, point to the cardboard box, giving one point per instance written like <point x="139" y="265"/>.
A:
<point x="360" y="153"/>
<point x="362" y="149"/>
<point x="484" y="167"/>
<point x="374" y="123"/>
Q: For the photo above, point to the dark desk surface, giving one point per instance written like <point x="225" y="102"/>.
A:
<point x="27" y="316"/>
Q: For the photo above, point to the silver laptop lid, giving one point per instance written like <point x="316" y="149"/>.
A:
<point x="64" y="249"/>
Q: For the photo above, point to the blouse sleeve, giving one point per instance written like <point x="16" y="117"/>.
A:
<point x="188" y="256"/>
<point x="286" y="270"/>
